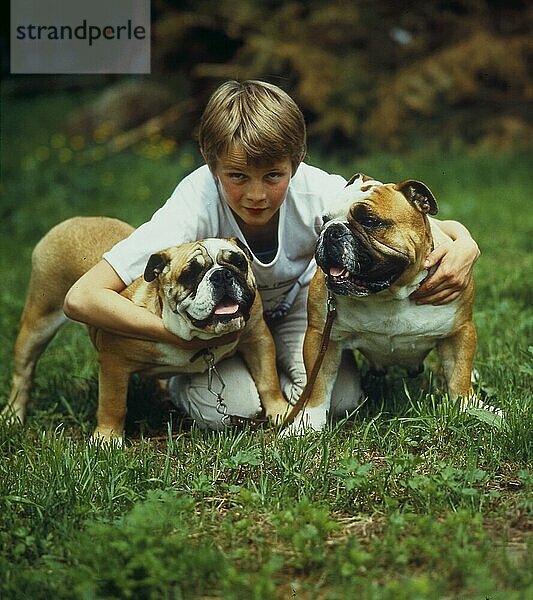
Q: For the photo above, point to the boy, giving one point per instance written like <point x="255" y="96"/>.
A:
<point x="254" y="186"/>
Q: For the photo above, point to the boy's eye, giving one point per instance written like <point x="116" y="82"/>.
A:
<point x="236" y="176"/>
<point x="275" y="175"/>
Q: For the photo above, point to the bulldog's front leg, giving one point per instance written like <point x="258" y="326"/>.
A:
<point x="114" y="375"/>
<point x="457" y="358"/>
<point x="259" y="352"/>
<point x="313" y="416"/>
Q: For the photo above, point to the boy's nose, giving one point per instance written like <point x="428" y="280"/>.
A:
<point x="256" y="192"/>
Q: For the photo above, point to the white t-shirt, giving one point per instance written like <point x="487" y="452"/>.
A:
<point x="195" y="211"/>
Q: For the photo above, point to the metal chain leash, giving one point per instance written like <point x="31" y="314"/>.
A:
<point x="212" y="371"/>
<point x="222" y="407"/>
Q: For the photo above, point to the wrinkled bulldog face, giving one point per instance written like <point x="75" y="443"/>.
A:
<point x="375" y="235"/>
<point x="208" y="286"/>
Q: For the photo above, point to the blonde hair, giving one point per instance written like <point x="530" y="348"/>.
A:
<point x="258" y="118"/>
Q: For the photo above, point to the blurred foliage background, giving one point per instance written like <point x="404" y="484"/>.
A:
<point x="369" y="74"/>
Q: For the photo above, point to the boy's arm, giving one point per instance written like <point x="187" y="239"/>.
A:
<point x="95" y="300"/>
<point x="454" y="261"/>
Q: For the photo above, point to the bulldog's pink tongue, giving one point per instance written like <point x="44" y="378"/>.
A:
<point x="226" y="308"/>
<point x="336" y="271"/>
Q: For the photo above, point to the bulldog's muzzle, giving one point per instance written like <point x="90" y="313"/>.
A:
<point x="230" y="297"/>
<point x="230" y="289"/>
<point x="353" y="266"/>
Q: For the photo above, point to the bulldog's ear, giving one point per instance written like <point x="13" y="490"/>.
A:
<point x="155" y="265"/>
<point x="360" y="176"/>
<point x="242" y="246"/>
<point x="419" y="195"/>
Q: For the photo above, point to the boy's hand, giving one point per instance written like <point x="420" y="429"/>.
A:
<point x="454" y="262"/>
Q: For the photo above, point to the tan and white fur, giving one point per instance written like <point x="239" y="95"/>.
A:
<point x="202" y="290"/>
<point x="370" y="255"/>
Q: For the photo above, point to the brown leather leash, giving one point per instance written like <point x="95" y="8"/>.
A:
<point x="324" y="342"/>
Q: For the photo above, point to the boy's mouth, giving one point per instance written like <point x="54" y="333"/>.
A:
<point x="255" y="211"/>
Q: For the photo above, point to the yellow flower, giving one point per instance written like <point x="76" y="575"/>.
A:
<point x="77" y="142"/>
<point x="97" y="154"/>
<point x="102" y="132"/>
<point x="57" y="140"/>
<point x="42" y="153"/>
<point x="168" y="146"/>
<point x="65" y="155"/>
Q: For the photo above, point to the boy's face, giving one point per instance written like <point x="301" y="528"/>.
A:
<point x="254" y="193"/>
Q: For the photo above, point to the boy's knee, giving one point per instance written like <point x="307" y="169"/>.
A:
<point x="238" y="396"/>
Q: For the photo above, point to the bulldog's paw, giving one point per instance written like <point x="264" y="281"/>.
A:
<point x="111" y="437"/>
<point x="13" y="415"/>
<point x="309" y="419"/>
<point x="276" y="412"/>
<point x="474" y="403"/>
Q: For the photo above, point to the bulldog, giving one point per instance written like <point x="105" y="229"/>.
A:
<point x="370" y="255"/>
<point x="203" y="289"/>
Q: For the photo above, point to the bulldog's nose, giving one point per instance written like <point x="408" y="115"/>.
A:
<point x="221" y="276"/>
<point x="337" y="231"/>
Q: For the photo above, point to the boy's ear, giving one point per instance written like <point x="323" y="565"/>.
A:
<point x="204" y="156"/>
<point x="300" y="161"/>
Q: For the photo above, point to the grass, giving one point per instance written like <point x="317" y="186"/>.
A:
<point x="409" y="499"/>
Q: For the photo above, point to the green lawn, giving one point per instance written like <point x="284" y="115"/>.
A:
<point x="408" y="500"/>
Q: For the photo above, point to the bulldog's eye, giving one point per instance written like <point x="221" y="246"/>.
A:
<point x="191" y="273"/>
<point x="238" y="260"/>
<point x="371" y="223"/>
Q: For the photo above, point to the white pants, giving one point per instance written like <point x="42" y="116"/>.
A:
<point x="191" y="395"/>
